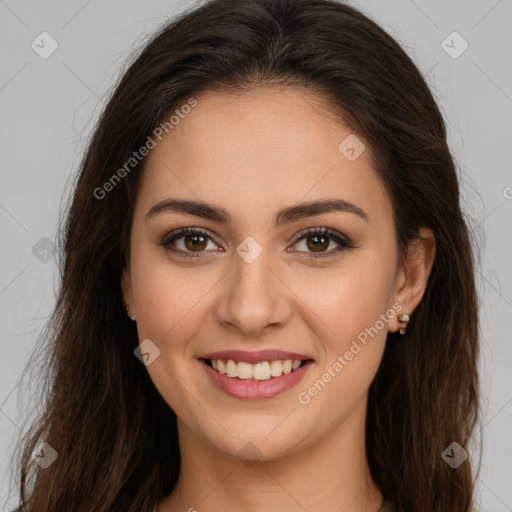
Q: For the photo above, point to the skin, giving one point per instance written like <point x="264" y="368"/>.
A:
<point x="253" y="154"/>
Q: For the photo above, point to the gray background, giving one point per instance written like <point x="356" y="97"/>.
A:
<point x="49" y="106"/>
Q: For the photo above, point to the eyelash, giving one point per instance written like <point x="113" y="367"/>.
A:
<point x="343" y="242"/>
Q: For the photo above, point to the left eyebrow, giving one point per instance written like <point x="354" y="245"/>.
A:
<point x="284" y="216"/>
<point x="305" y="210"/>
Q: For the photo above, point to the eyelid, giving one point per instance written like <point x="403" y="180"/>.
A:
<point x="180" y="233"/>
<point x="343" y="242"/>
<point x="322" y="231"/>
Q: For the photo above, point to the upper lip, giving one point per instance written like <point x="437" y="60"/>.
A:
<point x="256" y="357"/>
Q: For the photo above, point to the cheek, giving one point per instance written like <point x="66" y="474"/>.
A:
<point x="349" y="300"/>
<point x="348" y="308"/>
<point x="168" y="299"/>
<point x="168" y="305"/>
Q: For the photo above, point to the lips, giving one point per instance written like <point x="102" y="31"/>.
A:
<point x="262" y="374"/>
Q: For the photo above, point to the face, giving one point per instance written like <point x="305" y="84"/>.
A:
<point x="260" y="278"/>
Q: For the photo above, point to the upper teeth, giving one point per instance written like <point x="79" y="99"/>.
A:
<point x="258" y="371"/>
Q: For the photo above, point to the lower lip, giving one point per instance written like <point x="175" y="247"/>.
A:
<point x="252" y="389"/>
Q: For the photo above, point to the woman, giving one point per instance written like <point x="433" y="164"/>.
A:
<point x="267" y="297"/>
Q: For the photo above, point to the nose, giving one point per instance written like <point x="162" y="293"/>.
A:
<point x="254" y="298"/>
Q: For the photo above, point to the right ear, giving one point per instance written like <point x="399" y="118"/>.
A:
<point x="126" y="287"/>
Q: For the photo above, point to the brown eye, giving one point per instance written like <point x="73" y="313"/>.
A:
<point x="195" y="242"/>
<point x="187" y="241"/>
<point x="318" y="240"/>
<point x="191" y="242"/>
<point x="318" y="243"/>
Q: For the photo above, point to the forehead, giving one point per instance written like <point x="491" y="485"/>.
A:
<point x="256" y="149"/>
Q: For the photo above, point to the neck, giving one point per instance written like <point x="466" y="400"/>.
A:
<point x="330" y="474"/>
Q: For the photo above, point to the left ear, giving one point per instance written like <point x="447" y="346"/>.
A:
<point x="412" y="278"/>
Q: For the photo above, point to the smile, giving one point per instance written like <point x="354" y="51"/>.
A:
<point x="247" y="375"/>
<point x="259" y="371"/>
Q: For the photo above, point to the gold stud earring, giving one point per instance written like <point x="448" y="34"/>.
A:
<point x="127" y="306"/>
<point x="405" y="320"/>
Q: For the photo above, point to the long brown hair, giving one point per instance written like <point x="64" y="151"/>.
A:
<point x="115" y="436"/>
